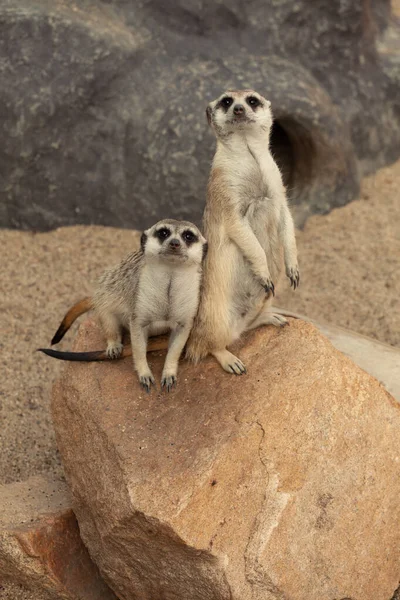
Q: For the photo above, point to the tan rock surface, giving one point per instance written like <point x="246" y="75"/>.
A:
<point x="40" y="545"/>
<point x="282" y="484"/>
<point x="380" y="360"/>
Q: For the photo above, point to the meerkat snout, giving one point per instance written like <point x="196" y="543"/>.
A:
<point x="238" y="110"/>
<point x="174" y="244"/>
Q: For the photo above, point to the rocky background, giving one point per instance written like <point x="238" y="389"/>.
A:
<point x="102" y="102"/>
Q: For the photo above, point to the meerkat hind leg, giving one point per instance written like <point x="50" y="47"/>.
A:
<point x="267" y="318"/>
<point x="229" y="362"/>
<point x="112" y="330"/>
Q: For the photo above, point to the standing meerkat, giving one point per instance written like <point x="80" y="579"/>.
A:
<point x="150" y="292"/>
<point x="248" y="226"/>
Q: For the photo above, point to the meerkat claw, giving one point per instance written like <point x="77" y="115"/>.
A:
<point x="294" y="276"/>
<point x="169" y="382"/>
<point x="146" y="382"/>
<point x="238" y="368"/>
<point x="114" y="350"/>
<point x="269" y="287"/>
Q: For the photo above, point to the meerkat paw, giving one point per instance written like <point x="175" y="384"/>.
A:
<point x="146" y="381"/>
<point x="294" y="275"/>
<point x="114" y="350"/>
<point x="268" y="286"/>
<point x="275" y="320"/>
<point x="229" y="362"/>
<point x="168" y="381"/>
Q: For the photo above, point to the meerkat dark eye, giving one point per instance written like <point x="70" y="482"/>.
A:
<point x="225" y="103"/>
<point x="162" y="233"/>
<point x="253" y="101"/>
<point x="189" y="237"/>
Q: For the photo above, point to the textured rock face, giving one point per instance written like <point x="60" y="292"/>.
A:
<point x="40" y="545"/>
<point x="279" y="484"/>
<point x="382" y="361"/>
<point x="103" y="103"/>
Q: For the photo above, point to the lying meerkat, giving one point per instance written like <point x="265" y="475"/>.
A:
<point x="150" y="292"/>
<point x="248" y="226"/>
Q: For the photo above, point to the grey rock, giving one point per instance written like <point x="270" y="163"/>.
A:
<point x="102" y="103"/>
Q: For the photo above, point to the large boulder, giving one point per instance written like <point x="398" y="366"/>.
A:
<point x="103" y="102"/>
<point x="283" y="483"/>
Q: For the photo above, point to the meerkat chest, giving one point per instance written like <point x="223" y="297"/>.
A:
<point x="259" y="202"/>
<point x="246" y="170"/>
<point x="167" y="294"/>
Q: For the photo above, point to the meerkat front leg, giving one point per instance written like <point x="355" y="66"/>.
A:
<point x="244" y="237"/>
<point x="286" y="225"/>
<point x="287" y="233"/>
<point x="177" y="341"/>
<point x="139" y="337"/>
<point x="112" y="330"/>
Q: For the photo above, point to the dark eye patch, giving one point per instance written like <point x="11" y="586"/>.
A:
<point x="162" y="234"/>
<point x="225" y="103"/>
<point x="189" y="237"/>
<point x="253" y="102"/>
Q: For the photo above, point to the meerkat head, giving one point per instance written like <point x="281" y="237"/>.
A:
<point x="175" y="242"/>
<point x="239" y="111"/>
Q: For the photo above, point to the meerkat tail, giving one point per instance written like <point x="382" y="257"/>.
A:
<point x="76" y="311"/>
<point x="76" y="356"/>
<point x="95" y="355"/>
<point x="155" y="344"/>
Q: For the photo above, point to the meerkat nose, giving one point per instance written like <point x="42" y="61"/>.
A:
<point x="238" y="109"/>
<point x="175" y="244"/>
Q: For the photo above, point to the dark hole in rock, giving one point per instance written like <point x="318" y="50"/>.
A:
<point x="294" y="151"/>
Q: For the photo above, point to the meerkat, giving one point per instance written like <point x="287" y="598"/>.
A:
<point x="248" y="225"/>
<point x="150" y="292"/>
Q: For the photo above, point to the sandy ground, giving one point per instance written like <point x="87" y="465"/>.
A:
<point x="349" y="260"/>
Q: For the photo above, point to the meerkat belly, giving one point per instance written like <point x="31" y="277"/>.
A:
<point x="167" y="297"/>
<point x="152" y="301"/>
<point x="184" y="295"/>
<point x="263" y="217"/>
<point x="249" y="297"/>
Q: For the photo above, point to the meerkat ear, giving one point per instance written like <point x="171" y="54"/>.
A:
<point x="205" y="250"/>
<point x="143" y="240"/>
<point x="208" y="113"/>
